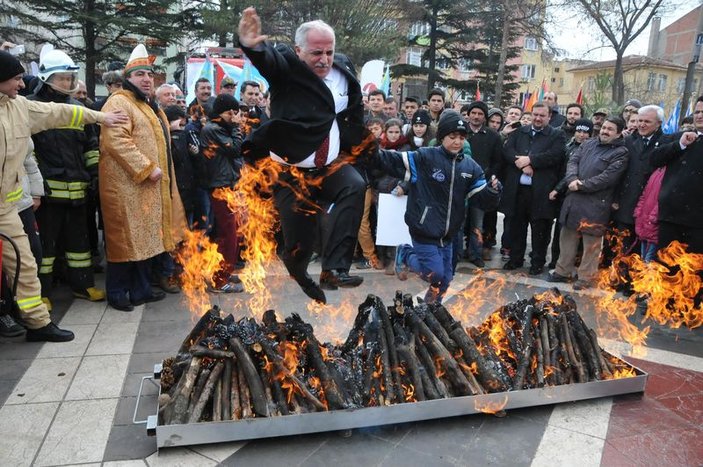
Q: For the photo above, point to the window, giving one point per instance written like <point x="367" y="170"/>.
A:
<point x="680" y="85"/>
<point x="530" y="43"/>
<point x="651" y="81"/>
<point x="556" y="70"/>
<point x="413" y="57"/>
<point x="527" y="72"/>
<point x="591" y="86"/>
<point x="661" y="86"/>
<point x="419" y="29"/>
<point x="561" y="82"/>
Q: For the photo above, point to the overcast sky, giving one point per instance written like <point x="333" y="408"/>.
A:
<point x="586" y="45"/>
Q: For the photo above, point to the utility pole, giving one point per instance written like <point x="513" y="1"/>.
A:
<point x="692" y="67"/>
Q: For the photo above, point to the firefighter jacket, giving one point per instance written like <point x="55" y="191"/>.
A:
<point x="67" y="155"/>
<point x="19" y="119"/>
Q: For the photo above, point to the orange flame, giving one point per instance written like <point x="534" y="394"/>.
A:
<point x="471" y="300"/>
<point x="626" y="372"/>
<point x="490" y="405"/>
<point x="200" y="260"/>
<point x="409" y="392"/>
<point x="253" y="202"/>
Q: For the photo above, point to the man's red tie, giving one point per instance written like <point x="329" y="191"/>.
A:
<point x="321" y="153"/>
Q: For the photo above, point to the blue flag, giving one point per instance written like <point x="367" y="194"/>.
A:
<point x="671" y="126"/>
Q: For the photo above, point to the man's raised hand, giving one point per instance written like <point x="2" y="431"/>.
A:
<point x="250" y="29"/>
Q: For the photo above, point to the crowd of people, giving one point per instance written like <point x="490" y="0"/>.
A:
<point x="156" y="166"/>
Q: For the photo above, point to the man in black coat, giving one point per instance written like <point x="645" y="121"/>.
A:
<point x="487" y="151"/>
<point x="316" y="112"/>
<point x="533" y="156"/>
<point x="640" y="146"/>
<point x="680" y="213"/>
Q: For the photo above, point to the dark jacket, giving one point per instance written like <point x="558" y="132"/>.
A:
<point x="486" y="149"/>
<point x="546" y="152"/>
<point x="556" y="120"/>
<point x="600" y="167"/>
<point x="68" y="154"/>
<point x="682" y="187"/>
<point x="302" y="106"/>
<point x="562" y="186"/>
<point x="192" y="130"/>
<point x="439" y="184"/>
<point x="639" y="168"/>
<point x="183" y="166"/>
<point x="221" y="145"/>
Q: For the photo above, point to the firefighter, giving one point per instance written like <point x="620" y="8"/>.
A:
<point x="68" y="161"/>
<point x="19" y="118"/>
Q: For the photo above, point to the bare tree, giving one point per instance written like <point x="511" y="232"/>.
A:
<point x="621" y="22"/>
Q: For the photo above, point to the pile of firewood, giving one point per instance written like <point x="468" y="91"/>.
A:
<point x="230" y="370"/>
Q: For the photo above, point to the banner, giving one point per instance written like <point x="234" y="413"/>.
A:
<point x="372" y="76"/>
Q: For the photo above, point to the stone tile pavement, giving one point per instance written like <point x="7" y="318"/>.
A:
<point x="72" y="404"/>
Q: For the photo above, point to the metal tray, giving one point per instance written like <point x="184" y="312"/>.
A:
<point x="256" y="428"/>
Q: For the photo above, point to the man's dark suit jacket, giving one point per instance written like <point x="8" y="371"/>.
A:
<point x="302" y="106"/>
<point x="546" y="151"/>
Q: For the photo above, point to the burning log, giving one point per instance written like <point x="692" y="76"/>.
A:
<point x="200" y="351"/>
<point x="245" y="396"/>
<point x="200" y="329"/>
<point x="456" y="376"/>
<point x="176" y="412"/>
<point x="226" y="395"/>
<point x="194" y="416"/>
<point x="255" y="387"/>
<point x="527" y="343"/>
<point x="313" y="351"/>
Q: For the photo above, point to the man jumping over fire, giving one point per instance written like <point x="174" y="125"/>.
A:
<point x="316" y="113"/>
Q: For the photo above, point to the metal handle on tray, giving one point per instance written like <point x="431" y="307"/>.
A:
<point x="151" y="420"/>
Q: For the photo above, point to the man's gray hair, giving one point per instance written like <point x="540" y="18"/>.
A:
<point x="652" y="108"/>
<point x="301" y="34"/>
<point x="165" y="86"/>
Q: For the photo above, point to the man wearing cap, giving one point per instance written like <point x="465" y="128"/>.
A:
<point x="532" y="158"/>
<point x="228" y="86"/>
<point x="316" y="113"/>
<point x="631" y="107"/>
<point x="487" y="151"/>
<point x="20" y="118"/>
<point x="598" y="118"/>
<point x="68" y="161"/>
<point x="221" y="141"/>
<point x="592" y="175"/>
<point x="142" y="209"/>
<point x="441" y="179"/>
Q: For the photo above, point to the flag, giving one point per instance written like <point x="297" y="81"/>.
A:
<point x="525" y="99"/>
<point x="672" y="124"/>
<point x="533" y="100"/>
<point x="542" y="91"/>
<point x="579" y="96"/>
<point x="386" y="82"/>
<point x="478" y="91"/>
<point x="207" y="71"/>
<point x="691" y="106"/>
<point x="250" y="73"/>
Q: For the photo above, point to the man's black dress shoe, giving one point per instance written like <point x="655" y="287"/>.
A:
<point x="510" y="266"/>
<point x="536" y="270"/>
<point x="49" y="333"/>
<point x="331" y="280"/>
<point x="156" y="295"/>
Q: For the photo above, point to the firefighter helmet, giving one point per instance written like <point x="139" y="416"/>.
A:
<point x="55" y="61"/>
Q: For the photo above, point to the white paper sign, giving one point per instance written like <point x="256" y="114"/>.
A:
<point x="391" y="229"/>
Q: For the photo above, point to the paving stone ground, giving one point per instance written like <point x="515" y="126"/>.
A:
<point x="73" y="404"/>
